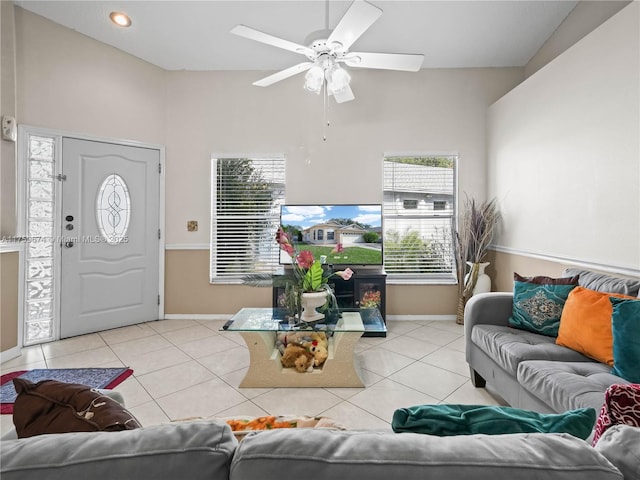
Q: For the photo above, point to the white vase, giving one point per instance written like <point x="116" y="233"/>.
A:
<point x="310" y="301"/>
<point x="483" y="283"/>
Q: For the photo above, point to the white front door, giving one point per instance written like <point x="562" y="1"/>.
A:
<point x="110" y="240"/>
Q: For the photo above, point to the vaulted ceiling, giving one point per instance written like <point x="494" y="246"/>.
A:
<point x="195" y="35"/>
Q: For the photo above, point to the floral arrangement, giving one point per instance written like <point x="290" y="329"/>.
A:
<point x="308" y="276"/>
<point x="371" y="299"/>
<point x="308" y="272"/>
<point x="477" y="226"/>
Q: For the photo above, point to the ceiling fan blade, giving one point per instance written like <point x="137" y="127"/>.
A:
<point x="345" y="95"/>
<point x="282" y="74"/>
<point x="360" y="16"/>
<point x="258" y="36"/>
<point x="386" y="61"/>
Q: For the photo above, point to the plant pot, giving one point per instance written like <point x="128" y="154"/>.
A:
<point x="482" y="280"/>
<point x="310" y="301"/>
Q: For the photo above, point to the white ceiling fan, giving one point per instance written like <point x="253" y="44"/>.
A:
<point x="328" y="49"/>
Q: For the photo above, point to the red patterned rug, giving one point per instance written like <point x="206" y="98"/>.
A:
<point x="93" y="377"/>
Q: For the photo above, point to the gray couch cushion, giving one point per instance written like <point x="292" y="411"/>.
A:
<point x="356" y="455"/>
<point x="198" y="450"/>
<point x="621" y="445"/>
<point x="605" y="283"/>
<point x="509" y="346"/>
<point x="567" y="385"/>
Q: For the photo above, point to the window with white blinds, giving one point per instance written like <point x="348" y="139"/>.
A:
<point x="245" y="214"/>
<point x="419" y="211"/>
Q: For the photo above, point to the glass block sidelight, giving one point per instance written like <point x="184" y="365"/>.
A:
<point x="40" y="250"/>
<point x="40" y="209"/>
<point x="40" y="309"/>
<point x="39" y="289"/>
<point x="39" y="231"/>
<point x="40" y="227"/>
<point x="41" y="148"/>
<point x="113" y="209"/>
<point x="39" y="268"/>
<point x="39" y="331"/>
<point x="43" y="170"/>
<point x="41" y="189"/>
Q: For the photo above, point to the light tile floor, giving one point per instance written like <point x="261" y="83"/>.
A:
<point x="189" y="368"/>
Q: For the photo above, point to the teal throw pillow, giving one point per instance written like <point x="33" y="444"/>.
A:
<point x="625" y="325"/>
<point x="451" y="419"/>
<point x="538" y="303"/>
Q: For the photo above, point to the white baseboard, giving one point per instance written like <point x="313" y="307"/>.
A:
<point x="10" y="354"/>
<point x="410" y="318"/>
<point x="194" y="316"/>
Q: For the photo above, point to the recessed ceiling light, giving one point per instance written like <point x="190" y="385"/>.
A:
<point x="120" y="19"/>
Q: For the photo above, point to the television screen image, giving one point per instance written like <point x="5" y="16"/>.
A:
<point x="335" y="234"/>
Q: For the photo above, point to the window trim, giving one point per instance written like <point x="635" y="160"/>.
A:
<point x="232" y="279"/>
<point x="427" y="278"/>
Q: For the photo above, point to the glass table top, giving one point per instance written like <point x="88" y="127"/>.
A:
<point x="273" y="320"/>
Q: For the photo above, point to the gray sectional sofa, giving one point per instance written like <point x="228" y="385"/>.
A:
<point x="208" y="450"/>
<point x="528" y="370"/>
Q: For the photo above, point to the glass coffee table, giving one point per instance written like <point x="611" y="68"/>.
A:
<point x="259" y="328"/>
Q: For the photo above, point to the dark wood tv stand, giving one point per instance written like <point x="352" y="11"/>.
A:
<point x="367" y="288"/>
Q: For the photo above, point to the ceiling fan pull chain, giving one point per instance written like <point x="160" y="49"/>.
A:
<point x="325" y="107"/>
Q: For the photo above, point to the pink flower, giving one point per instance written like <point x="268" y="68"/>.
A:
<point x="345" y="274"/>
<point x="338" y="249"/>
<point x="282" y="237"/>
<point x="305" y="259"/>
<point x="287" y="247"/>
<point x="283" y="240"/>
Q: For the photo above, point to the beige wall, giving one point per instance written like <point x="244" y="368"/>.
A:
<point x="528" y="266"/>
<point x="564" y="153"/>
<point x="8" y="300"/>
<point x="188" y="290"/>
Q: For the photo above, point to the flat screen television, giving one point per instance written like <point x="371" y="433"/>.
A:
<point x="335" y="234"/>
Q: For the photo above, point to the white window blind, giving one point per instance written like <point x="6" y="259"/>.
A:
<point x="246" y="197"/>
<point x="419" y="211"/>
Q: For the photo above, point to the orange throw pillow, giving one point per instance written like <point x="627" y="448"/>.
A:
<point x="585" y="324"/>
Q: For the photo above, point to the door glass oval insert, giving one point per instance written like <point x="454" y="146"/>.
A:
<point x="113" y="209"/>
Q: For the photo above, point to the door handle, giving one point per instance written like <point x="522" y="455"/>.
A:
<point x="68" y="244"/>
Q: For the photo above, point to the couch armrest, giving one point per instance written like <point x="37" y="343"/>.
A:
<point x="492" y="308"/>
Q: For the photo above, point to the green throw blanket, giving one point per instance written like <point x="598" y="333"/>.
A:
<point x="444" y="420"/>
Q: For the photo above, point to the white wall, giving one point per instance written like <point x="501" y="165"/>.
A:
<point x="564" y="152"/>
<point x="70" y="82"/>
<point x="7" y="107"/>
<point x="429" y="111"/>
<point x="583" y="19"/>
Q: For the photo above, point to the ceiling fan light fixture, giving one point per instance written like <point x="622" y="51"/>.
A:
<point x="313" y="79"/>
<point x="337" y="79"/>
